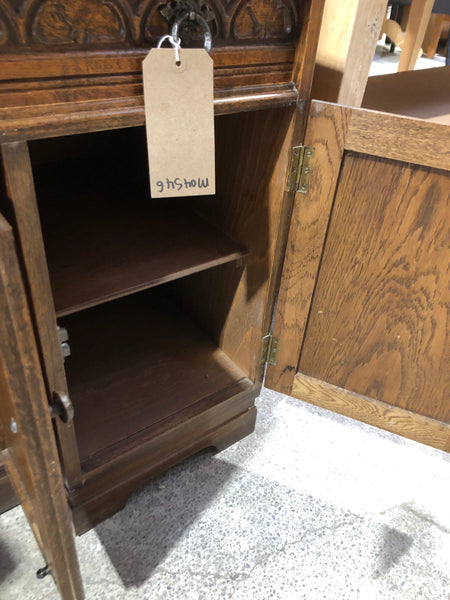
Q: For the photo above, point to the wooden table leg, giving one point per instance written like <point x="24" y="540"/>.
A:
<point x="419" y="16"/>
<point x="433" y="33"/>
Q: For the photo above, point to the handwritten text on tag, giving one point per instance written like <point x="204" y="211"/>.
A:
<point x="179" y="114"/>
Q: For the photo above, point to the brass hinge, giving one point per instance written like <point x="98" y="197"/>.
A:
<point x="300" y="169"/>
<point x="269" y="349"/>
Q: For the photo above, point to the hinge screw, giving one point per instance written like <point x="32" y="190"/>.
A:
<point x="13" y="426"/>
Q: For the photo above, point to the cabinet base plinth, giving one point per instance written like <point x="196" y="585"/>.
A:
<point x="107" y="489"/>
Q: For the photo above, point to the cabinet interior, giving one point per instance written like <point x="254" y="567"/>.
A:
<point x="150" y="290"/>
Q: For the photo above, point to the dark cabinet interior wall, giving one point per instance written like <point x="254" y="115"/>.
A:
<point x="106" y="239"/>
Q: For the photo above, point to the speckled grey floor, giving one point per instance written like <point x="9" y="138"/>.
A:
<point x="312" y="506"/>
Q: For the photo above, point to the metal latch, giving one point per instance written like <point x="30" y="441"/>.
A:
<point x="269" y="349"/>
<point x="300" y="169"/>
<point x="64" y="341"/>
<point x="61" y="407"/>
<point x="43" y="572"/>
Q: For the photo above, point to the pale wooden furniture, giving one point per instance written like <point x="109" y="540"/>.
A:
<point x="419" y="17"/>
<point x="438" y="27"/>
<point x="349" y="34"/>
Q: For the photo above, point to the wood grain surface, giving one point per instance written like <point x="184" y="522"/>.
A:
<point x="107" y="488"/>
<point x="326" y="133"/>
<point x="400" y="138"/>
<point x="379" y="319"/>
<point x="306" y="48"/>
<point x="161" y="363"/>
<point x="348" y="37"/>
<point x="365" y="409"/>
<point x="252" y="156"/>
<point x="83" y="24"/>
<point x="363" y="302"/>
<point x="22" y="205"/>
<point x="97" y="250"/>
<point x="31" y="457"/>
<point x="58" y="78"/>
<point x="418" y="19"/>
<point x="124" y="109"/>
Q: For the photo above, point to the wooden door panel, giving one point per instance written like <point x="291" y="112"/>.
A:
<point x="29" y="450"/>
<point x="362" y="314"/>
<point x="379" y="324"/>
<point x="21" y="204"/>
<point x="326" y="131"/>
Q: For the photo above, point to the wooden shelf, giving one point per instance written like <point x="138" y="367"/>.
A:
<point x="138" y="366"/>
<point x="104" y="244"/>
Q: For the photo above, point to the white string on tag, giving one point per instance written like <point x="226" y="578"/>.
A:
<point x="176" y="44"/>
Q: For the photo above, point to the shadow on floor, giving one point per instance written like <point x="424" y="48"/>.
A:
<point x="394" y="545"/>
<point x="139" y="537"/>
<point x="7" y="562"/>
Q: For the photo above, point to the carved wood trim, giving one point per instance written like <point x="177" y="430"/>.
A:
<point x="68" y="118"/>
<point x="52" y="25"/>
<point x="54" y="79"/>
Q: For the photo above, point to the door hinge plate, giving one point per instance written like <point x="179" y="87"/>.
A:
<point x="300" y="169"/>
<point x="269" y="349"/>
<point x="64" y="341"/>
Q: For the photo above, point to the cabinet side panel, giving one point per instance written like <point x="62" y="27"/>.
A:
<point x="379" y="320"/>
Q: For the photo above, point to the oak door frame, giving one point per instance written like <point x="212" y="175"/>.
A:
<point x="331" y="131"/>
<point x="22" y="205"/>
<point x="30" y="455"/>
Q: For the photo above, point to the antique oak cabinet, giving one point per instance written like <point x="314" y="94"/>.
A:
<point x="135" y="332"/>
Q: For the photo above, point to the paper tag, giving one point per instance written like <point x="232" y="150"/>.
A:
<point x="179" y="115"/>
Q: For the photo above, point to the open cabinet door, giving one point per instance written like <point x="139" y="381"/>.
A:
<point x="27" y="444"/>
<point x="362" y="314"/>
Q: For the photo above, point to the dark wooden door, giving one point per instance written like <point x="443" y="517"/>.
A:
<point x="362" y="314"/>
<point x="27" y="443"/>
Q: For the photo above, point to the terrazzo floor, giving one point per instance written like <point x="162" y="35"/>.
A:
<point x="312" y="506"/>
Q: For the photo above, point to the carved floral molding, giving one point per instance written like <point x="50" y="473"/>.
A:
<point x="84" y="24"/>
